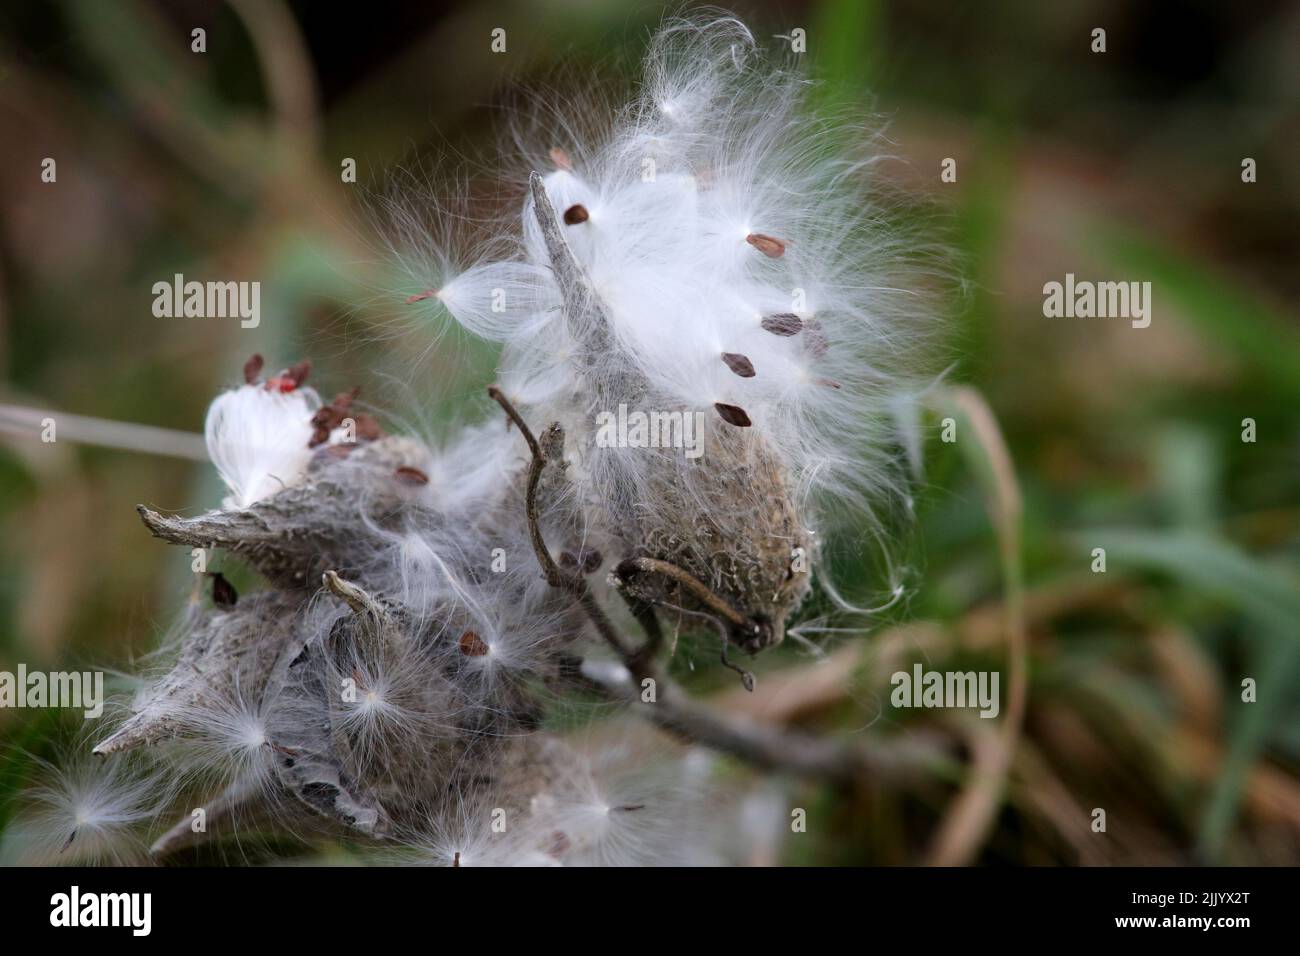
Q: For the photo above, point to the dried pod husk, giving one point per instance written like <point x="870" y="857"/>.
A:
<point x="321" y="523"/>
<point x="729" y="520"/>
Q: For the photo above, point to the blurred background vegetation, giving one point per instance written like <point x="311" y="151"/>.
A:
<point x="1123" y="165"/>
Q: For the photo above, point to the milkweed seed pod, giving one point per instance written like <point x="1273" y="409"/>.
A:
<point x="385" y="674"/>
<point x="704" y="297"/>
<point x="725" y="516"/>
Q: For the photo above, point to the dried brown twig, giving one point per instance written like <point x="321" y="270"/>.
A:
<point x="556" y="576"/>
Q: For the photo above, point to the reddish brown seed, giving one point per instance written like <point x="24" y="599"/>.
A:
<point x="828" y="382"/>
<point x="223" y="592"/>
<point x="783" y="323"/>
<point x="575" y="214"/>
<point x="561" y="159"/>
<point x="253" y="368"/>
<point x="420" y="296"/>
<point x="770" y="246"/>
<point x="327" y="417"/>
<point x="298" y="372"/>
<point x="471" y="645"/>
<point x="410" y="476"/>
<point x="739" y="364"/>
<point x="331" y="416"/>
<point x="559" y="844"/>
<point x="581" y="560"/>
<point x="368" y="427"/>
<point x="733" y="415"/>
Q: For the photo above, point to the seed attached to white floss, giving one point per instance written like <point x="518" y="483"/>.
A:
<point x="471" y="645"/>
<point x="770" y="246"/>
<point x="733" y="415"/>
<point x="739" y="364"/>
<point x="783" y="324"/>
<point x="409" y="475"/>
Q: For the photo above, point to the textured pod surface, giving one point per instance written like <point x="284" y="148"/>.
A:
<point x="731" y="522"/>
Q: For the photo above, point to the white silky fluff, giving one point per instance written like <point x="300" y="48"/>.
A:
<point x="85" y="812"/>
<point x="258" y="439"/>
<point x="718" y="145"/>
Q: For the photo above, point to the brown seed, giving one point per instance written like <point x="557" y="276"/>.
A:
<point x="327" y="417"/>
<point x="581" y="560"/>
<point x="575" y="214"/>
<point x="253" y="368"/>
<point x="561" y="159"/>
<point x="471" y="645"/>
<point x="783" y="323"/>
<point x="298" y="372"/>
<point x="331" y="416"/>
<point x="739" y="364"/>
<point x="828" y="382"/>
<point x="410" y="476"/>
<point x="733" y="415"/>
<point x="770" y="246"/>
<point x="223" y="592"/>
<point x="368" y="428"/>
<point x="289" y="379"/>
<point x="419" y="296"/>
<point x="559" y="844"/>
